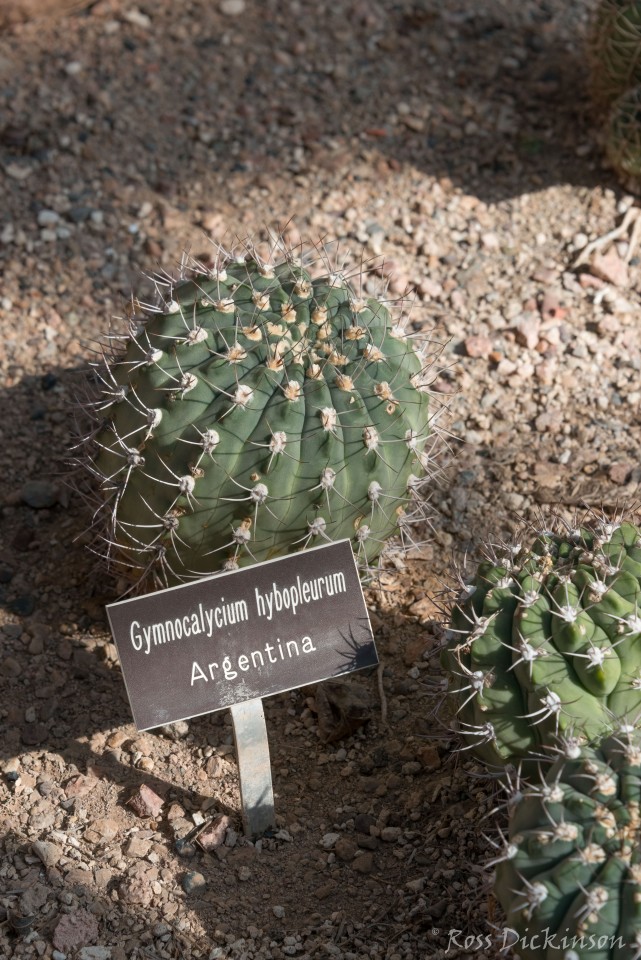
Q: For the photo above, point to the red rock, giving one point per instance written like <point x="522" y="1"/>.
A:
<point x="587" y="281"/>
<point x="611" y="268"/>
<point x="75" y="929"/>
<point x="551" y="306"/>
<point x="477" y="346"/>
<point x="214" y="835"/>
<point x="620" y="472"/>
<point x="78" y="786"/>
<point x="145" y="802"/>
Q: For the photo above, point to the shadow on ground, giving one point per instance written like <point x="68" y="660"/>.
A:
<point x="491" y="98"/>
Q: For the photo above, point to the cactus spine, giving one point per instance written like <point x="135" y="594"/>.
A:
<point x="256" y="410"/>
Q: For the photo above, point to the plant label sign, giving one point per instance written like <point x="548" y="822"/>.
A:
<point x="239" y="636"/>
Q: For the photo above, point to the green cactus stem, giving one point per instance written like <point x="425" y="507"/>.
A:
<point x="546" y="639"/>
<point x="257" y="410"/>
<point x="623" y="134"/>
<point x="615" y="49"/>
<point x="568" y="875"/>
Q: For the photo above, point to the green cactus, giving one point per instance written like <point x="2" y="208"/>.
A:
<point x="547" y="640"/>
<point x="623" y="137"/>
<point x="568" y="875"/>
<point x="257" y="411"/>
<point x="615" y="70"/>
<point x="615" y="49"/>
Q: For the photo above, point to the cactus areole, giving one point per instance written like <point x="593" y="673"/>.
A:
<point x="569" y="876"/>
<point x="257" y="411"/>
<point x="547" y="640"/>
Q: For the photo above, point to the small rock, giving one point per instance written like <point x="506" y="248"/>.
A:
<point x="193" y="882"/>
<point x="429" y="757"/>
<point x="244" y="873"/>
<point x="232" y="8"/>
<point x="145" y="803"/>
<point x="620" y="472"/>
<point x="363" y="821"/>
<point x="23" y="606"/>
<point x="47" y="218"/>
<point x="136" y="890"/>
<point x="551" y="305"/>
<point x="610" y="267"/>
<point x="345" y="849"/>
<point x="137" y="847"/>
<point x="231" y="837"/>
<point x="527" y="329"/>
<point x="10" y="667"/>
<point x="39" y="494"/>
<point x="35" y="733"/>
<point x="342" y="709"/>
<point x="477" y="346"/>
<point x="214" y="835"/>
<point x="390" y="834"/>
<point x="95" y="953"/>
<point x="78" y="786"/>
<point x="328" y="841"/>
<point x="325" y="890"/>
<point x="364" y="863"/>
<point x="101" y="831"/>
<point x="74" y="930"/>
<point x="174" y="731"/>
<point x="279" y="912"/>
<point x="48" y="853"/>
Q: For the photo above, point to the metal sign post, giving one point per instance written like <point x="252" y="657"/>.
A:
<point x="254" y="767"/>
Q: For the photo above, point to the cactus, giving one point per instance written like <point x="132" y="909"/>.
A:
<point x="623" y="137"/>
<point x="547" y="640"/>
<point x="615" y="59"/>
<point x="568" y="875"/>
<point x="257" y="410"/>
<point x="615" y="49"/>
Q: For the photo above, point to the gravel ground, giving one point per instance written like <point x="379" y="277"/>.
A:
<point x="455" y="148"/>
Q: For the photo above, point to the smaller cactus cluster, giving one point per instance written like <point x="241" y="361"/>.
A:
<point x="543" y="652"/>
<point x="615" y="61"/>
<point x="546" y="639"/>
<point x="262" y="406"/>
<point x="568" y="875"/>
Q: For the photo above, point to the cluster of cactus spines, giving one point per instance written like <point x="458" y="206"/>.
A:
<point x="615" y="67"/>
<point x="255" y="410"/>
<point x="568" y="874"/>
<point x="546" y="640"/>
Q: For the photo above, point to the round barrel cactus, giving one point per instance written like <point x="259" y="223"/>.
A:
<point x="569" y="875"/>
<point x="546" y="639"/>
<point x="258" y="410"/>
<point x="614" y="48"/>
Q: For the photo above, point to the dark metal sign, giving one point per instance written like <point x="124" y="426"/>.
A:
<point x="242" y="635"/>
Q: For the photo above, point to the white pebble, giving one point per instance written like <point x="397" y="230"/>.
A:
<point x="279" y="912"/>
<point x="328" y="840"/>
<point x="579" y="241"/>
<point x="232" y="8"/>
<point x="47" y="218"/>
